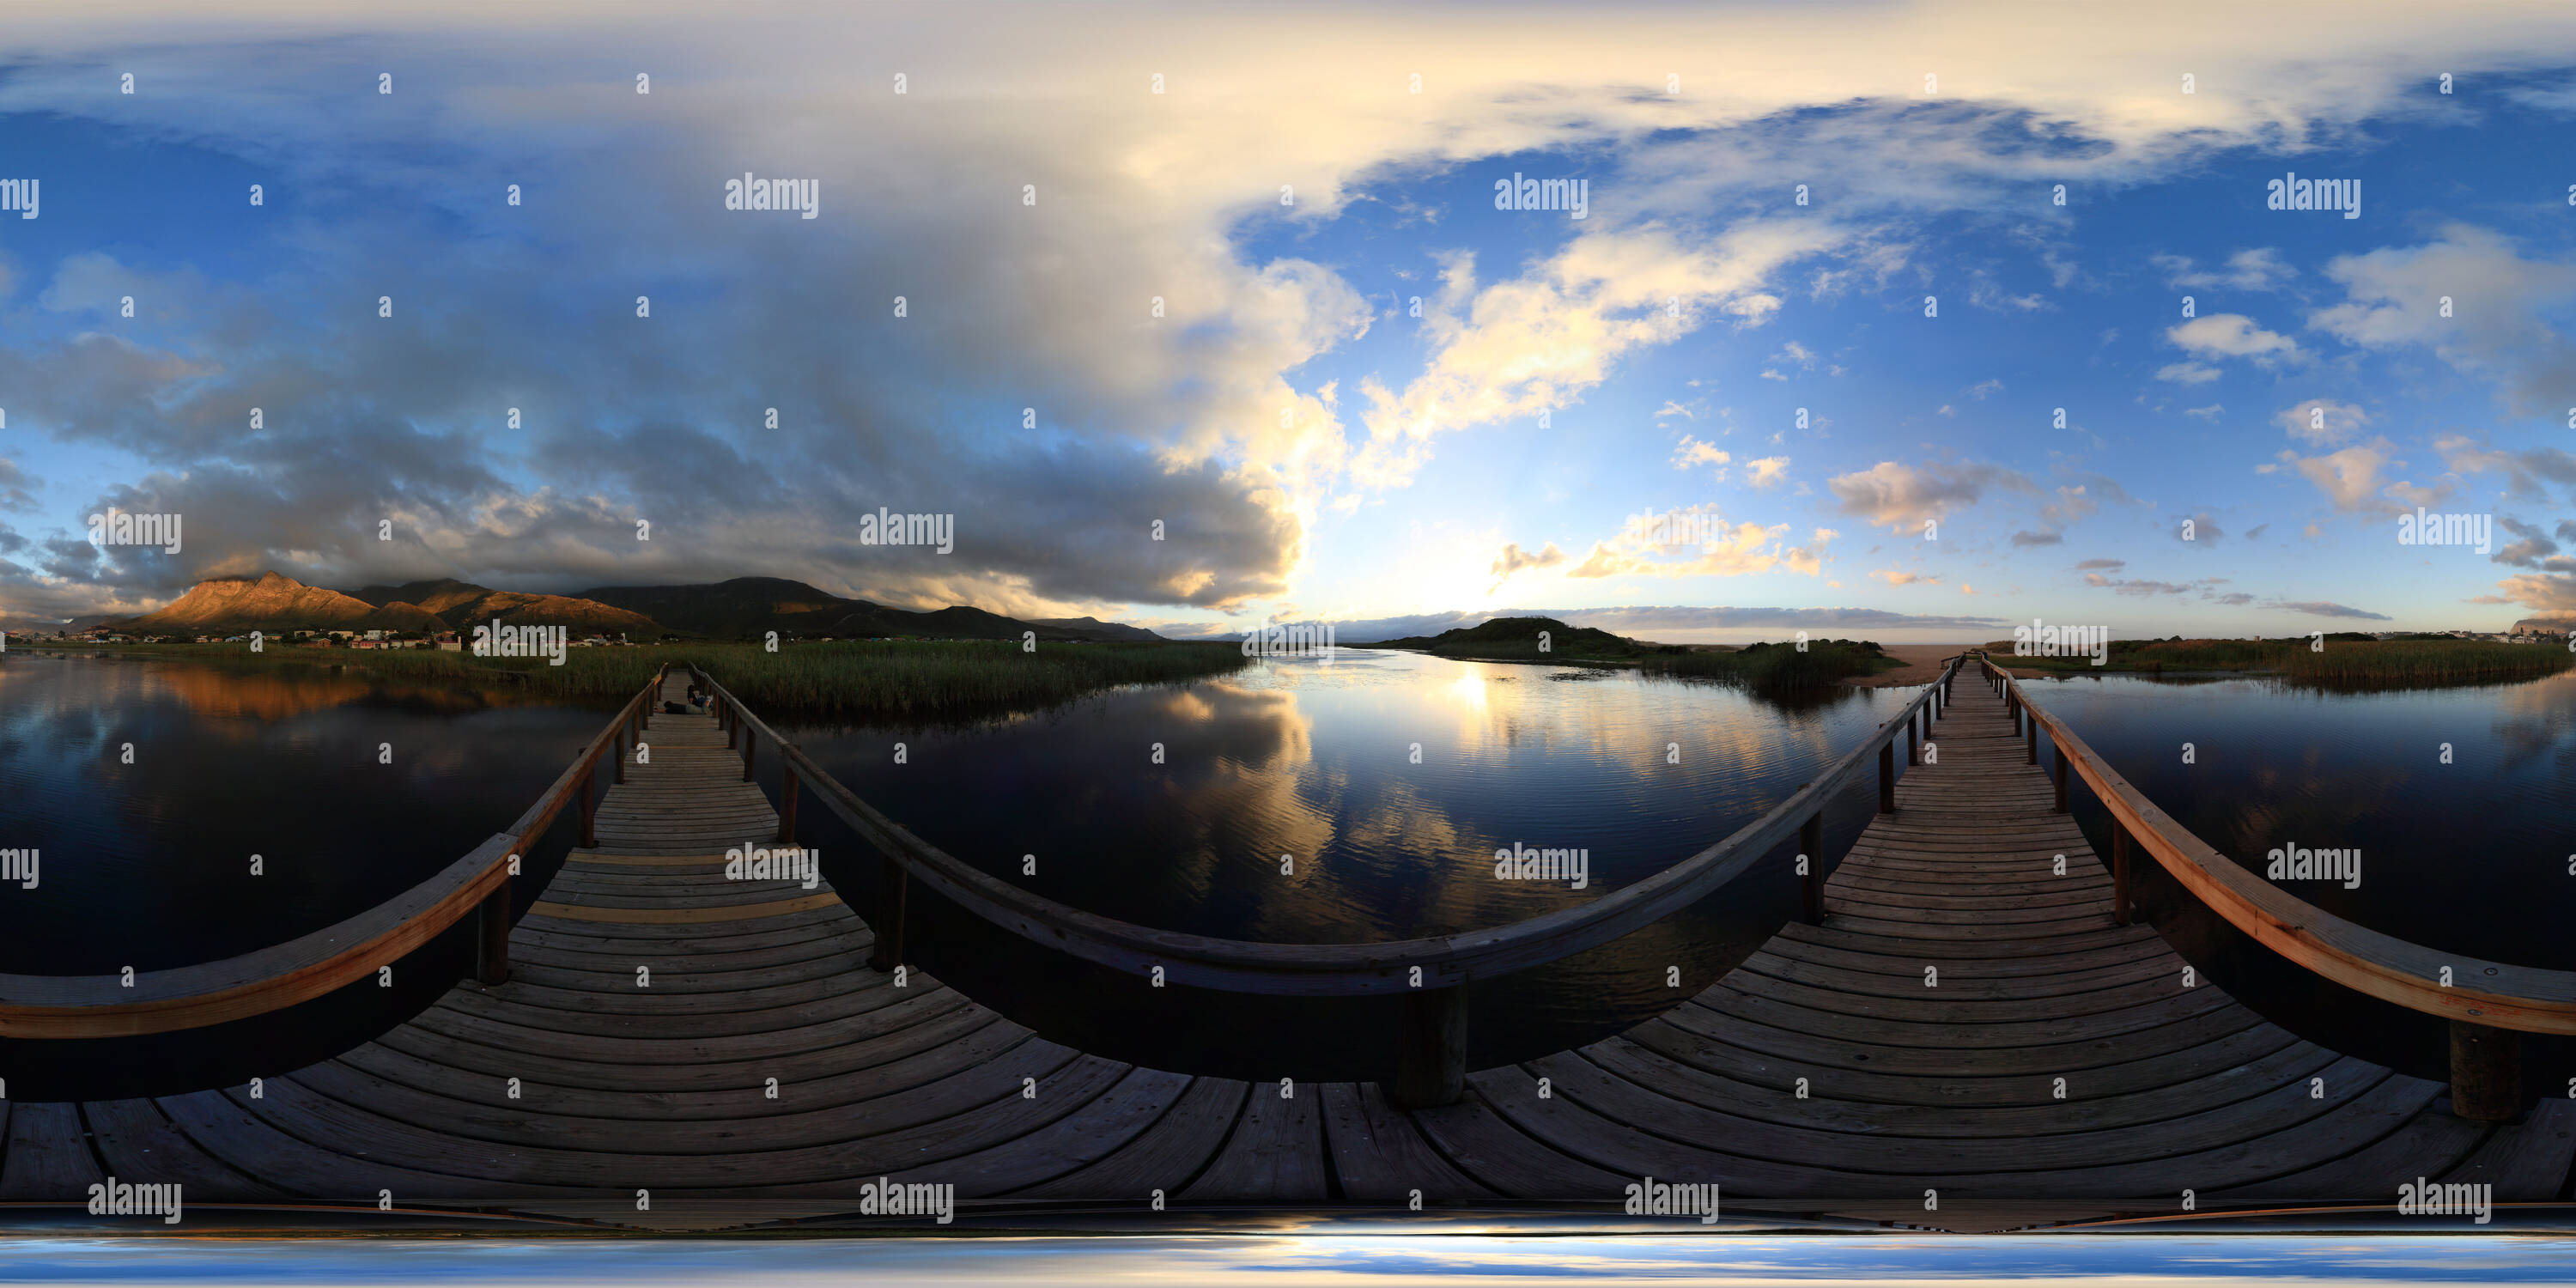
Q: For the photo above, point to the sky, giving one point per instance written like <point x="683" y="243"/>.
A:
<point x="1908" y="321"/>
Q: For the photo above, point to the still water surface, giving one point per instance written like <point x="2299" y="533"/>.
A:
<point x="1387" y="781"/>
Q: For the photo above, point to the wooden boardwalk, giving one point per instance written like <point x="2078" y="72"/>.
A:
<point x="572" y="1086"/>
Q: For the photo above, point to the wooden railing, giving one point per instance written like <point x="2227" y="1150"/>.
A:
<point x="99" y="1006"/>
<point x="1431" y="973"/>
<point x="2486" y="1002"/>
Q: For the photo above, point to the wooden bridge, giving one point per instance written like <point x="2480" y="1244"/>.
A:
<point x="1968" y="1016"/>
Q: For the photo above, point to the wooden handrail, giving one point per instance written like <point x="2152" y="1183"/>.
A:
<point x="187" y="997"/>
<point x="2493" y="994"/>
<point x="1325" y="970"/>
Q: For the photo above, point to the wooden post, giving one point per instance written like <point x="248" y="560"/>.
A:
<point x="2486" y="1072"/>
<point x="2030" y="737"/>
<point x="732" y="727"/>
<point x="787" y="806"/>
<point x="1887" y="777"/>
<point x="750" y="750"/>
<point x="617" y="770"/>
<point x="588" y="837"/>
<point x="2061" y="778"/>
<point x="492" y="936"/>
<point x="1811" y="887"/>
<point x="892" y="887"/>
<point x="2119" y="874"/>
<point x="1431" y="1049"/>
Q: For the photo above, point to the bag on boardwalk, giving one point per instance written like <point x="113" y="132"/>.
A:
<point x="675" y="708"/>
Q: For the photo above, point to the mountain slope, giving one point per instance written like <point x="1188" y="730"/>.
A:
<point x="272" y="603"/>
<point x="748" y="607"/>
<point x="464" y="605"/>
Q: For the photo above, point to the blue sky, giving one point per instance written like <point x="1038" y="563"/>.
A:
<point x="1312" y="447"/>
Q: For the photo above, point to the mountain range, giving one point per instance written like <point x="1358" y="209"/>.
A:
<point x="743" y="608"/>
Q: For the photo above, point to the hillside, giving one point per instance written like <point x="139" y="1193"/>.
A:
<point x="272" y="603"/>
<point x="463" y="605"/>
<point x="1518" y="637"/>
<point x="747" y="607"/>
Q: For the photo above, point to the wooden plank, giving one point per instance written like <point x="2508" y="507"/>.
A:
<point x="1164" y="1156"/>
<point x="1275" y="1154"/>
<point x="48" y="1158"/>
<point x="681" y="916"/>
<point x="141" y="1146"/>
<point x="2526" y="1161"/>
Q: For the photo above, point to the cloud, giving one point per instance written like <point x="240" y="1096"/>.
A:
<point x="2205" y="529"/>
<point x="1765" y="471"/>
<point x="2036" y="538"/>
<point x="2231" y="335"/>
<point x="2350" y="478"/>
<point x="1900" y="497"/>
<point x="1514" y="560"/>
<point x="2188" y="373"/>
<point x="1536" y="343"/>
<point x="2499" y="305"/>
<point x="2533" y="550"/>
<point x="2320" y="608"/>
<point x="2526" y="472"/>
<point x="2102" y="563"/>
<point x="2259" y="269"/>
<point x="2322" y="422"/>
<point x="1695" y="452"/>
<point x="1895" y="578"/>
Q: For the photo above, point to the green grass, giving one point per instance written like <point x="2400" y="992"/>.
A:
<point x="899" y="679"/>
<point x="1776" y="666"/>
<point x="2345" y="659"/>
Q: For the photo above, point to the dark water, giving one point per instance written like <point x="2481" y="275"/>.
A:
<point x="147" y="864"/>
<point x="2476" y="856"/>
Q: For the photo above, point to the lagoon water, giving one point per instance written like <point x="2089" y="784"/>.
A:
<point x="146" y="864"/>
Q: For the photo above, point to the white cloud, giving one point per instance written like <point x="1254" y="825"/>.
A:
<point x="2499" y="306"/>
<point x="2322" y="422"/>
<point x="2231" y="335"/>
<point x="1765" y="471"/>
<point x="2259" y="269"/>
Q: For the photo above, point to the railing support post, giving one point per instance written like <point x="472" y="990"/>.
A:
<point x="1887" y="777"/>
<point x="893" y="884"/>
<point x="2030" y="738"/>
<point x="787" y="806"/>
<point x="617" y="765"/>
<point x="1811" y="886"/>
<point x="750" y="751"/>
<point x="2061" y="778"/>
<point x="2486" y="1072"/>
<point x="588" y="837"/>
<point x="492" y="936"/>
<point x="2119" y="873"/>
<point x="1431" y="1049"/>
<point x="732" y="726"/>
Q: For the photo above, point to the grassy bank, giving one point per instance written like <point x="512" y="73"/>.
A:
<point x="2344" y="661"/>
<point x="1776" y="666"/>
<point x="897" y="679"/>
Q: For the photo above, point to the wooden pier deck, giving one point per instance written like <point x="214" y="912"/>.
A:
<point x="1831" y="1067"/>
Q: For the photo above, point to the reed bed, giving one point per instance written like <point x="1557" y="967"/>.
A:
<point x="857" y="679"/>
